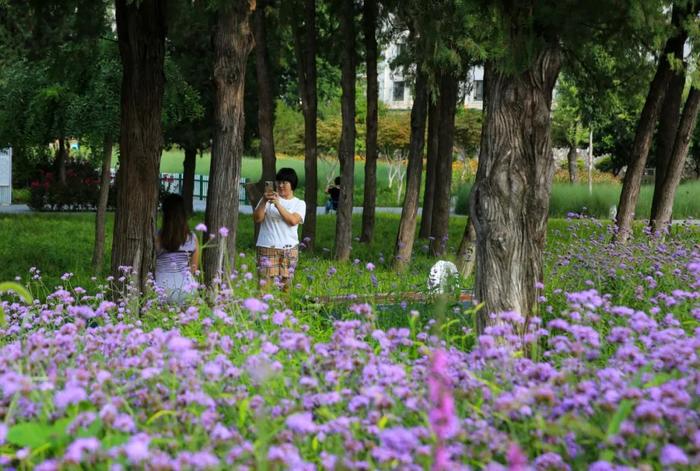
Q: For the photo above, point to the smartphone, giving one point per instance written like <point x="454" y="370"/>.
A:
<point x="269" y="186"/>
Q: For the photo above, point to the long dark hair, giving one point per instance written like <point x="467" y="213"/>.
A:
<point x="175" y="230"/>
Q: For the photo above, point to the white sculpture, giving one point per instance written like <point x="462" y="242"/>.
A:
<point x="440" y="275"/>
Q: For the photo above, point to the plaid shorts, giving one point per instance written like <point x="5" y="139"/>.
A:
<point x="277" y="262"/>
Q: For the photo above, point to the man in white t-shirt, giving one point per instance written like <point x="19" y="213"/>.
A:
<point x="279" y="214"/>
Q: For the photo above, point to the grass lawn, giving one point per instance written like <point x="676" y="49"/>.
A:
<point x="171" y="162"/>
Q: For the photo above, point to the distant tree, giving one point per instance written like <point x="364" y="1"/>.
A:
<point x="263" y="73"/>
<point x="141" y="29"/>
<point x="567" y="127"/>
<point x="189" y="93"/>
<point x="95" y="118"/>
<point x="233" y="40"/>
<point x="346" y="148"/>
<point x="681" y="14"/>
<point x="369" y="23"/>
<point x="304" y="31"/>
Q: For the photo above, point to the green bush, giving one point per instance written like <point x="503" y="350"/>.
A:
<point x="79" y="192"/>
<point x="21" y="195"/>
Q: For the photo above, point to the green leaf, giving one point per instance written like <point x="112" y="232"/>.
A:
<point x="243" y="412"/>
<point x="158" y="415"/>
<point x="29" y="434"/>
<point x="622" y="412"/>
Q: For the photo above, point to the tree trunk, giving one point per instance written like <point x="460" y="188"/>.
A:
<point x="141" y="28"/>
<point x="189" y="165"/>
<point x="346" y="149"/>
<point x="61" y="157"/>
<point x="645" y="130"/>
<point x="466" y="252"/>
<point x="370" y="191"/>
<point x="439" y="225"/>
<point x="510" y="197"/>
<point x="431" y="163"/>
<point x="233" y="41"/>
<point x="572" y="158"/>
<point x="409" y="212"/>
<point x="305" y="47"/>
<point x="590" y="161"/>
<point x="98" y="252"/>
<point x="674" y="170"/>
<point x="266" y="105"/>
<point x="668" y="126"/>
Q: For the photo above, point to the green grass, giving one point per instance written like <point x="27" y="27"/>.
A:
<point x="251" y="168"/>
<point x="59" y="243"/>
<point x="567" y="198"/>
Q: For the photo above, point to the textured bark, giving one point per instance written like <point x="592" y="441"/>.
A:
<point x="266" y="105"/>
<point x="668" y="125"/>
<point x="431" y="163"/>
<point x="572" y="158"/>
<point x="510" y="197"/>
<point x="189" y="165"/>
<point x="233" y="41"/>
<point x="466" y="256"/>
<point x="674" y="170"/>
<point x="439" y="225"/>
<point x="61" y="157"/>
<point x="346" y="149"/>
<point x="409" y="212"/>
<point x="305" y="47"/>
<point x="370" y="190"/>
<point x="98" y="252"/>
<point x="141" y="28"/>
<point x="644" y="133"/>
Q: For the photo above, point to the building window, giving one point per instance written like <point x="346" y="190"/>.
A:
<point x="398" y="91"/>
<point x="478" y="90"/>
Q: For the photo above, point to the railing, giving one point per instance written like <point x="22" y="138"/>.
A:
<point x="172" y="183"/>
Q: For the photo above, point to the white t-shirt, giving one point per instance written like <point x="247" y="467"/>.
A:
<point x="274" y="232"/>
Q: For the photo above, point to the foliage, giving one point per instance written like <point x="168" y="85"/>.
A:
<point x="80" y="192"/>
<point x="319" y="385"/>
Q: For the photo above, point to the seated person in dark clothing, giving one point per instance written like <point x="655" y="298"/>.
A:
<point x="333" y="196"/>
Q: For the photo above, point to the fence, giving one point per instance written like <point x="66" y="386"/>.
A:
<point x="172" y="183"/>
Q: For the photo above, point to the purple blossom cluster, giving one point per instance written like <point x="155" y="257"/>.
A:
<point x="249" y="384"/>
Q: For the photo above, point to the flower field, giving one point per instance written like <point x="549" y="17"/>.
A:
<point x="606" y="377"/>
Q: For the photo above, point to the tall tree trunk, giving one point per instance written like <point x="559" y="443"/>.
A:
<point x="645" y="130"/>
<point x="141" y="28"/>
<point x="572" y="158"/>
<point x="61" y="157"/>
<point x="510" y="197"/>
<point x="439" y="226"/>
<point x="409" y="212"/>
<point x="98" y="252"/>
<point x="370" y="191"/>
<point x="305" y="47"/>
<point x="590" y="161"/>
<point x="346" y="149"/>
<point x="431" y="163"/>
<point x="668" y="126"/>
<point x="466" y="253"/>
<point x="674" y="170"/>
<point x="233" y="41"/>
<point x="266" y="105"/>
<point x="189" y="165"/>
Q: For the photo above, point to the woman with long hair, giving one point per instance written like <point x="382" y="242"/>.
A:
<point x="177" y="252"/>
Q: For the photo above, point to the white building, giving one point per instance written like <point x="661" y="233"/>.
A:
<point x="395" y="92"/>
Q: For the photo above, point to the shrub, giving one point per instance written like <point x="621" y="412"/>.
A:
<point x="79" y="192"/>
<point x="21" y="195"/>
